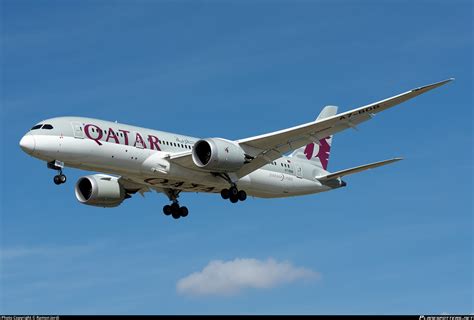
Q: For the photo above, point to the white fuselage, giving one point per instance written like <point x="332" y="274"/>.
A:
<point x="140" y="154"/>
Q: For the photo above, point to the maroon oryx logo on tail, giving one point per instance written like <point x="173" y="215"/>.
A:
<point x="323" y="152"/>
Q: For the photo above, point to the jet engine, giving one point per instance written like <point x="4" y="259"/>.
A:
<point x="218" y="155"/>
<point x="100" y="190"/>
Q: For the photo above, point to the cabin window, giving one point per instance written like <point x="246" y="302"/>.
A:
<point x="37" y="127"/>
<point x="47" y="127"/>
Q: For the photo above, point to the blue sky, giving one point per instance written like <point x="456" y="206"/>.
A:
<point x="398" y="239"/>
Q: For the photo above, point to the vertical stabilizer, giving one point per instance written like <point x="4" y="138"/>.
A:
<point x="318" y="152"/>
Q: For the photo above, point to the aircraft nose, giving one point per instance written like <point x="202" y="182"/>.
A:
<point x="27" y="143"/>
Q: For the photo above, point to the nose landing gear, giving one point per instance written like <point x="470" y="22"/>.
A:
<point x="58" y="166"/>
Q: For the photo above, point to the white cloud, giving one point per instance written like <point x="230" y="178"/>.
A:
<point x="229" y="277"/>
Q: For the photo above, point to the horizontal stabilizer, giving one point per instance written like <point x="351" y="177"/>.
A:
<point x="346" y="172"/>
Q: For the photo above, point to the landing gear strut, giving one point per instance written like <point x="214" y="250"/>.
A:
<point x="60" y="178"/>
<point x="175" y="210"/>
<point x="233" y="194"/>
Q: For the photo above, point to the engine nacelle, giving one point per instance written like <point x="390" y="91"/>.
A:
<point x="218" y="155"/>
<point x="99" y="190"/>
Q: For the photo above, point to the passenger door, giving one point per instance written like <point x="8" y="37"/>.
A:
<point x="299" y="171"/>
<point x="77" y="130"/>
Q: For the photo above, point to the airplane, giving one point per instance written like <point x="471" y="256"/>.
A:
<point x="133" y="159"/>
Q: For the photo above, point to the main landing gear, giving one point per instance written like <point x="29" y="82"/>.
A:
<point x="60" y="178"/>
<point x="233" y="194"/>
<point x="175" y="210"/>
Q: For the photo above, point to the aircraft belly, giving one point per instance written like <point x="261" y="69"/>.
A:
<point x="157" y="171"/>
<point x="271" y="184"/>
<point x="184" y="185"/>
<point x="266" y="183"/>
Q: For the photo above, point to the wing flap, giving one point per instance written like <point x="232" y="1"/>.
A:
<point x="184" y="159"/>
<point x="346" y="172"/>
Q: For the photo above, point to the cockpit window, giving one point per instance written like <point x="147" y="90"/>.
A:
<point x="36" y="127"/>
<point x="47" y="127"/>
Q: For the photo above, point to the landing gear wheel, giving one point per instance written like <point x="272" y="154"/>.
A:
<point x="167" y="210"/>
<point x="234" y="198"/>
<point x="225" y="194"/>
<point x="174" y="206"/>
<point x="62" y="178"/>
<point x="233" y="191"/>
<point x="175" y="210"/>
<point x="57" y="179"/>
<point x="176" y="215"/>
<point x="183" y="211"/>
<point x="242" y="195"/>
<point x="233" y="194"/>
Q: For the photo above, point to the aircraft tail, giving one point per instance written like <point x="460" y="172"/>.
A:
<point x="318" y="152"/>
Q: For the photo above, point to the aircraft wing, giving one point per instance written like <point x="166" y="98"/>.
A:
<point x="271" y="146"/>
<point x="184" y="159"/>
<point x="346" y="172"/>
<point x="268" y="147"/>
